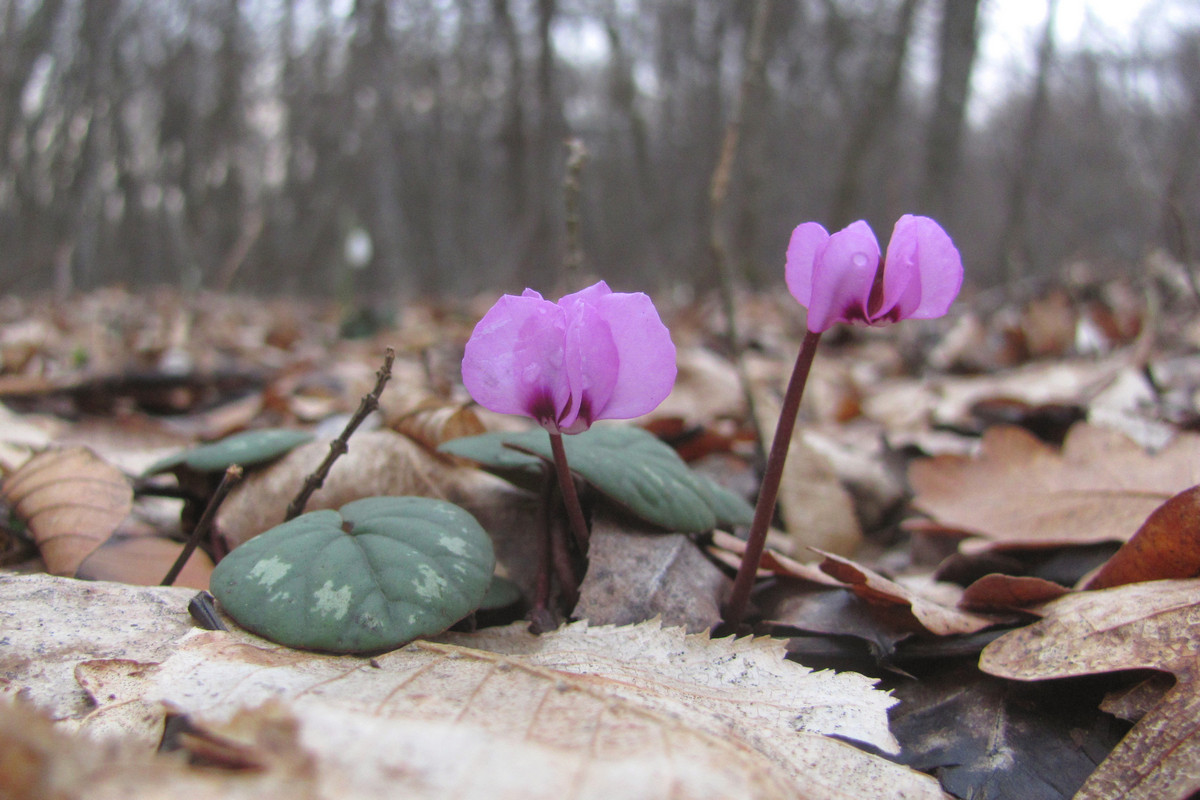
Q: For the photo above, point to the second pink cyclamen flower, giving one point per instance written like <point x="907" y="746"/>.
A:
<point x="595" y="354"/>
<point x="841" y="278"/>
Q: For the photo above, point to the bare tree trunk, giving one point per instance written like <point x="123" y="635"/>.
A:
<point x="1014" y="246"/>
<point x="1175" y="216"/>
<point x="958" y="40"/>
<point x="878" y="108"/>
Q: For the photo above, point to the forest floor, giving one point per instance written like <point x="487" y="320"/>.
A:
<point x="982" y="581"/>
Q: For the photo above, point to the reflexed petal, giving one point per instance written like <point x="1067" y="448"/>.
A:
<point x="514" y="360"/>
<point x="592" y="364"/>
<point x="591" y="294"/>
<point x="843" y="275"/>
<point x="923" y="272"/>
<point x="806" y="240"/>
<point x="645" y="354"/>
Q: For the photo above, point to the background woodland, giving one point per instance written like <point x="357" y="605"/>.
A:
<point x="365" y="146"/>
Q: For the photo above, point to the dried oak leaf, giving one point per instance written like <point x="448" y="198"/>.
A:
<point x="1019" y="493"/>
<point x="585" y="712"/>
<point x="1166" y="546"/>
<point x="71" y="500"/>
<point x="1140" y="626"/>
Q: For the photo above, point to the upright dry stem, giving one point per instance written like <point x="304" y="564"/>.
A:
<point x="341" y="445"/>
<point x="764" y="511"/>
<point x="570" y="497"/>
<point x="232" y="475"/>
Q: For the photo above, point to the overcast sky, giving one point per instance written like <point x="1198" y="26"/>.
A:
<point x="1012" y="28"/>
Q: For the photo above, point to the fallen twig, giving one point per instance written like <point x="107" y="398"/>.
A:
<point x="341" y="445"/>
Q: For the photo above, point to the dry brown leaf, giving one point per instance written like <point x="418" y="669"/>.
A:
<point x="999" y="593"/>
<point x="729" y="550"/>
<point x="1166" y="546"/>
<point x="636" y="573"/>
<point x="433" y="422"/>
<point x="378" y="463"/>
<point x="913" y="404"/>
<point x="1139" y="626"/>
<point x="816" y="509"/>
<point x="936" y="614"/>
<point x="71" y="502"/>
<point x="144" y="560"/>
<point x="1021" y="493"/>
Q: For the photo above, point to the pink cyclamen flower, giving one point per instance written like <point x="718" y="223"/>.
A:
<point x="595" y="354"/>
<point x="841" y="278"/>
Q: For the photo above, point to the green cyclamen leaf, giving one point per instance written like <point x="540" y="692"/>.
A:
<point x="627" y="464"/>
<point x="373" y="576"/>
<point x="246" y="449"/>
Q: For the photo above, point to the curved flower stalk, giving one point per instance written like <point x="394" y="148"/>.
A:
<point x="841" y="278"/>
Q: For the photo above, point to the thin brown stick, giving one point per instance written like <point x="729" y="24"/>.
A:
<point x="572" y="186"/>
<point x="717" y="193"/>
<point x="341" y="445"/>
<point x="232" y="475"/>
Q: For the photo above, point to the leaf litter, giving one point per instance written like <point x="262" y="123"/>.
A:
<point x="1015" y="499"/>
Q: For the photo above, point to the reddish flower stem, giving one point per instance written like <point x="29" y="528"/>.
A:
<point x="570" y="497"/>
<point x="768" y="493"/>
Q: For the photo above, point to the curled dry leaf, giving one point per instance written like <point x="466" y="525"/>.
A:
<point x="433" y="422"/>
<point x="1020" y="493"/>
<point x="71" y="501"/>
<point x="1166" y="546"/>
<point x="999" y="593"/>
<point x="934" y="614"/>
<point x="1139" y="626"/>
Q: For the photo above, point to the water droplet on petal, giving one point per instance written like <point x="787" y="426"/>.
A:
<point x="860" y="260"/>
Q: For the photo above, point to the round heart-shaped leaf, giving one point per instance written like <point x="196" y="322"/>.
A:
<point x="493" y="451"/>
<point x="629" y="465"/>
<point x="378" y="573"/>
<point x="246" y="449"/>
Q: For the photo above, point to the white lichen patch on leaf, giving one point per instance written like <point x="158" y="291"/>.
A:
<point x="430" y="584"/>
<point x="454" y="544"/>
<point x="270" y="571"/>
<point x="332" y="602"/>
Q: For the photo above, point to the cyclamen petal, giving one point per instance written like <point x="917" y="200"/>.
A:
<point x="843" y="273"/>
<point x="838" y="278"/>
<point x="593" y="355"/>
<point x="921" y="255"/>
